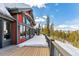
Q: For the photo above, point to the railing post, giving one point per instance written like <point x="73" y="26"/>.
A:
<point x="56" y="53"/>
<point x="50" y="45"/>
<point x="51" y="48"/>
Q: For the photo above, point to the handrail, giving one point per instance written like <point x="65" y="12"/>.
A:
<point x="56" y="49"/>
<point x="62" y="51"/>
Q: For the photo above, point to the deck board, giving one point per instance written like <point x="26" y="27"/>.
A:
<point x="25" y="51"/>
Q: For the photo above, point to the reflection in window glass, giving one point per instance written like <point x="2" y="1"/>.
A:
<point x="22" y="31"/>
<point x="20" y="28"/>
<point x="27" y="33"/>
<point x="23" y="28"/>
<point x="27" y="22"/>
<point x="6" y="30"/>
<point x="23" y="19"/>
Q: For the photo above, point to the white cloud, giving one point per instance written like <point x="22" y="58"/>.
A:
<point x="62" y="26"/>
<point x="39" y="19"/>
<point x="71" y="25"/>
<point x="37" y="3"/>
<point x="67" y="27"/>
<point x="45" y="17"/>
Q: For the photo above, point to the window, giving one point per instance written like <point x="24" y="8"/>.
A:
<point x="22" y="31"/>
<point x="27" y="33"/>
<point x="24" y="20"/>
<point x="27" y="21"/>
<point x="20" y="28"/>
<point x="6" y="30"/>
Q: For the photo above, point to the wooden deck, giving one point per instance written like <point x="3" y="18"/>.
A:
<point x="24" y="51"/>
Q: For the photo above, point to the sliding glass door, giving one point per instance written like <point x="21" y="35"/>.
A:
<point x="6" y="33"/>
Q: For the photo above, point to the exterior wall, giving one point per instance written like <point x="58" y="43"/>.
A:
<point x="27" y="32"/>
<point x="24" y="30"/>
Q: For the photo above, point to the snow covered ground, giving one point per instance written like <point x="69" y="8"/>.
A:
<point x="69" y="48"/>
<point x="35" y="41"/>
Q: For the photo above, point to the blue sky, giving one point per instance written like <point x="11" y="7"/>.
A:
<point x="62" y="13"/>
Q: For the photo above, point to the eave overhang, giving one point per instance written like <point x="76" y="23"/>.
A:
<point x="7" y="17"/>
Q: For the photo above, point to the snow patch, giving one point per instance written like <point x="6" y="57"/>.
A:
<point x="35" y="41"/>
<point x="69" y="48"/>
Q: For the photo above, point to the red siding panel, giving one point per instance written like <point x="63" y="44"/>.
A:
<point x="20" y="20"/>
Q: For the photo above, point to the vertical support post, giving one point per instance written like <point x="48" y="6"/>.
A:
<point x="51" y="48"/>
<point x="13" y="32"/>
<point x="17" y="28"/>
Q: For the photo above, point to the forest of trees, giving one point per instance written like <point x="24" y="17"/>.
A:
<point x="71" y="37"/>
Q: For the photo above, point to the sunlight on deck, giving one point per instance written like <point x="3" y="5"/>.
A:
<point x="24" y="51"/>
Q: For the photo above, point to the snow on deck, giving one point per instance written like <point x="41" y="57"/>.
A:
<point x="69" y="48"/>
<point x="35" y="41"/>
